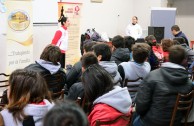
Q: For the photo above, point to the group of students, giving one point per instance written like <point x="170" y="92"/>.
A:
<point x="100" y="82"/>
<point x="98" y="77"/>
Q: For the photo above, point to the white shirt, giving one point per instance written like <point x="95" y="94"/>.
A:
<point x="134" y="31"/>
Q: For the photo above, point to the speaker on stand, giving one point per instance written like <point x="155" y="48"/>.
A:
<point x="158" y="32"/>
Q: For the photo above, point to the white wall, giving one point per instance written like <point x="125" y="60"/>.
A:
<point x="111" y="17"/>
<point x="142" y="9"/>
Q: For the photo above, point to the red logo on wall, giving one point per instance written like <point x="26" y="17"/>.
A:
<point x="77" y="9"/>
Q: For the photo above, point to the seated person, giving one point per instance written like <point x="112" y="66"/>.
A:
<point x="133" y="70"/>
<point x="129" y="42"/>
<point x="190" y="52"/>
<point x="119" y="53"/>
<point x="74" y="74"/>
<point x="157" y="95"/>
<point x="176" y="32"/>
<point x="49" y="67"/>
<point x="29" y="100"/>
<point x="166" y="44"/>
<point x="107" y="101"/>
<point x="77" y="89"/>
<point x="103" y="53"/>
<point x="65" y="114"/>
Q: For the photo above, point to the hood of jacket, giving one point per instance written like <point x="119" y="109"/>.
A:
<point x="122" y="54"/>
<point x="177" y="76"/>
<point x="112" y="68"/>
<point x="117" y="98"/>
<point x="49" y="66"/>
<point x="38" y="110"/>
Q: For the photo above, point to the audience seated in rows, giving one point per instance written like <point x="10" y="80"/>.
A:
<point x="29" y="100"/>
<point x="107" y="101"/>
<point x="49" y="67"/>
<point x="73" y="76"/>
<point x="77" y="90"/>
<point x="133" y="70"/>
<point x="156" y="97"/>
<point x="119" y="53"/>
<point x="65" y="114"/>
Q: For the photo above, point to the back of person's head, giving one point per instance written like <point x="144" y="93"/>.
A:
<point x="63" y="20"/>
<point x="103" y="51"/>
<point x="118" y="41"/>
<point x="89" y="47"/>
<point x="25" y="87"/>
<point x="88" y="59"/>
<point x="97" y="81"/>
<point x="181" y="40"/>
<point x="177" y="54"/>
<point x="166" y="44"/>
<point x="51" y="53"/>
<point x="65" y="114"/>
<point x="151" y="40"/>
<point x="140" y="52"/>
<point x="175" y="28"/>
<point x="129" y="41"/>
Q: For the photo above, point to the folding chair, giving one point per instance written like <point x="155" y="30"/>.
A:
<point x="183" y="103"/>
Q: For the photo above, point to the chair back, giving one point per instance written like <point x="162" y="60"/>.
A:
<point x="183" y="103"/>
<point x="55" y="84"/>
<point x="122" y="117"/>
<point x="132" y="87"/>
<point x="3" y="86"/>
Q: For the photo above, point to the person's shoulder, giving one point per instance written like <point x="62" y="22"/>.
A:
<point x="103" y="109"/>
<point x="138" y="25"/>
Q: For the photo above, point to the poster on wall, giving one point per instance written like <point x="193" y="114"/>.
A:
<point x="73" y="12"/>
<point x="19" y="34"/>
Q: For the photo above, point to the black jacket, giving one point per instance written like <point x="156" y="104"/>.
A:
<point x="157" y="95"/>
<point x="50" y="77"/>
<point x="74" y="74"/>
<point x="75" y="91"/>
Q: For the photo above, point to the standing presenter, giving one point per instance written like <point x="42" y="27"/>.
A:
<point x="61" y="38"/>
<point x="134" y="29"/>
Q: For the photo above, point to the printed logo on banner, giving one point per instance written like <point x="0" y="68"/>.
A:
<point x="77" y="9"/>
<point x="18" y="20"/>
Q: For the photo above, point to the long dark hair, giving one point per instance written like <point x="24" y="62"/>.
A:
<point x="96" y="81"/>
<point x="25" y="87"/>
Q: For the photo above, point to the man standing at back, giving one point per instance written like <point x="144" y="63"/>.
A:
<point x="156" y="97"/>
<point x="178" y="33"/>
<point x="134" y="30"/>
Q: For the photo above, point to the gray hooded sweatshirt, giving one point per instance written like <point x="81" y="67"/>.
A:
<point x="112" y="68"/>
<point x="49" y="66"/>
<point x="117" y="98"/>
<point x="37" y="111"/>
